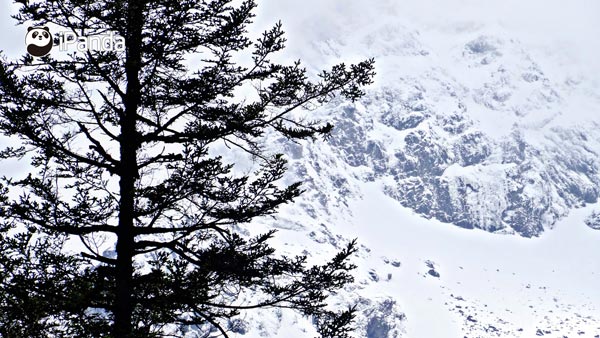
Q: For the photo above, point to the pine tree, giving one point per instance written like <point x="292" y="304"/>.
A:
<point x="119" y="147"/>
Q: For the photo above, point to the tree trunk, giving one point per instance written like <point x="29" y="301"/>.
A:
<point x="124" y="302"/>
<point x="124" y="270"/>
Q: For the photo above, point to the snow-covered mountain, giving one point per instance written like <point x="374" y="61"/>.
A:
<point x="471" y="126"/>
<point x="469" y="172"/>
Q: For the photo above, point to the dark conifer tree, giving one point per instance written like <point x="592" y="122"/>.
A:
<point x="119" y="142"/>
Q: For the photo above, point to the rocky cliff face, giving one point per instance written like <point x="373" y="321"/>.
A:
<point x="424" y="135"/>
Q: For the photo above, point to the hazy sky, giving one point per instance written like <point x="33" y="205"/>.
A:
<point x="550" y="24"/>
<point x="571" y="27"/>
<point x="12" y="40"/>
<point x="543" y="20"/>
<point x="562" y="37"/>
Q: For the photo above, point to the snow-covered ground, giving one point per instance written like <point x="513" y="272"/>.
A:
<point x="486" y="282"/>
<point x="450" y="282"/>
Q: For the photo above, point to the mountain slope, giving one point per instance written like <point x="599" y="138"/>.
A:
<point x="468" y="173"/>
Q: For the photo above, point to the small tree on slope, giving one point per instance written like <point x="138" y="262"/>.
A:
<point x="119" y="145"/>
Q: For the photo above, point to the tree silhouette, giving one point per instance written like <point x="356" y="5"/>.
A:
<point x="126" y="224"/>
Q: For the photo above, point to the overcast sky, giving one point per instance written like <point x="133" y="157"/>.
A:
<point x="567" y="33"/>
<point x="571" y="27"/>
<point x="562" y="37"/>
<point x="573" y="24"/>
<point x="546" y="20"/>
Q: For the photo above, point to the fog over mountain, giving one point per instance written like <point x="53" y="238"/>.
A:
<point x="469" y="172"/>
<point x="484" y="100"/>
<point x="484" y="116"/>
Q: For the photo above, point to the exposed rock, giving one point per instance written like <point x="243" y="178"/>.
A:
<point x="593" y="220"/>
